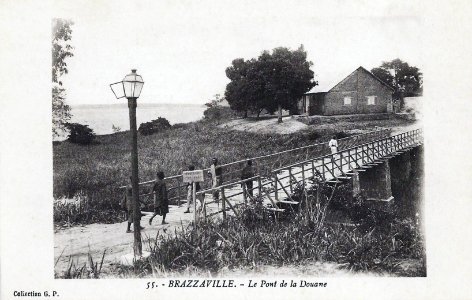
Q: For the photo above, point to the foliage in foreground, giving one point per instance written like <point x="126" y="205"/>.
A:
<point x="256" y="239"/>
<point x="61" y="50"/>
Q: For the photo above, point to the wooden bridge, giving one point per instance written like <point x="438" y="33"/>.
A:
<point x="276" y="180"/>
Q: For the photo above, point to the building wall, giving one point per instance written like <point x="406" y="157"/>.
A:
<point x="358" y="86"/>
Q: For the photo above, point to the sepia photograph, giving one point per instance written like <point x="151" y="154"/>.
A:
<point x="235" y="149"/>
<point x="292" y="153"/>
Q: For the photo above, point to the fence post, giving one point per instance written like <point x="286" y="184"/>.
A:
<point x="244" y="192"/>
<point x="259" y="185"/>
<point x="303" y="175"/>
<point x="223" y="203"/>
<point x="323" y="168"/>
<point x="276" y="188"/>
<point x="349" y="159"/>
<point x="204" y="208"/>
<point x="290" y="179"/>
<point x="194" y="198"/>
<point x="178" y="192"/>
<point x="313" y="168"/>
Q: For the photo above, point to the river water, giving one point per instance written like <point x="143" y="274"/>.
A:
<point x="102" y="118"/>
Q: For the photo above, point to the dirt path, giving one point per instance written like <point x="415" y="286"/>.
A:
<point x="77" y="242"/>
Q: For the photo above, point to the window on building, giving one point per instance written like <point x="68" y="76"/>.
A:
<point x="371" y="100"/>
<point x="347" y="100"/>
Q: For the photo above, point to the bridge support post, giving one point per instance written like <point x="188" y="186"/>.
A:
<point x="376" y="183"/>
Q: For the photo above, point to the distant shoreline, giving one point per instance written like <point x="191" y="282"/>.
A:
<point x="121" y="105"/>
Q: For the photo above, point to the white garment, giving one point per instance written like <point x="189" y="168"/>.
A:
<point x="333" y="144"/>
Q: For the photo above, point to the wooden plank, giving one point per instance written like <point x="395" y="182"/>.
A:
<point x="274" y="209"/>
<point x="230" y="206"/>
<point x="288" y="202"/>
<point x="270" y="198"/>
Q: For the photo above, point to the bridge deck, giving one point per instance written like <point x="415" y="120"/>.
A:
<point x="332" y="168"/>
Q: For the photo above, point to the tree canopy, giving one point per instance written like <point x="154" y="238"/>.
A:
<point x="407" y="80"/>
<point x="61" y="49"/>
<point x="273" y="81"/>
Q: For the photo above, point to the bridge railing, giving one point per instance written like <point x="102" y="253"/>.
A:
<point x="333" y="166"/>
<point x="326" y="167"/>
<point x="263" y="165"/>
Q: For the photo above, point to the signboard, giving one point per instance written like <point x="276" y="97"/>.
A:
<point x="193" y="176"/>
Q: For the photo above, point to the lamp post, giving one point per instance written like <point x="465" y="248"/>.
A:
<point x="130" y="87"/>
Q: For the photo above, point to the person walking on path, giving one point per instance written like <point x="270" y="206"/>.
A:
<point x="248" y="172"/>
<point x="216" y="178"/>
<point x="127" y="204"/>
<point x="333" y="145"/>
<point x="161" y="202"/>
<point x="200" y="198"/>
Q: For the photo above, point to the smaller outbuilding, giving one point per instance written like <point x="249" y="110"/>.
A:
<point x="361" y="92"/>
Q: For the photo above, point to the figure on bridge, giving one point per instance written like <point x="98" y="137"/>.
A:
<point x="333" y="145"/>
<point x="216" y="173"/>
<point x="248" y="172"/>
<point x="161" y="201"/>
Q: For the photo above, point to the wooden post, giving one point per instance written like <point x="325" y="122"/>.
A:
<point x="276" y="188"/>
<point x="313" y="168"/>
<point x="223" y="203"/>
<point x="244" y="192"/>
<point x="194" y="198"/>
<point x="259" y="185"/>
<point x="349" y="159"/>
<point x="323" y="168"/>
<point x="290" y="179"/>
<point x="303" y="175"/>
<point x="178" y="192"/>
<point x="137" y="247"/>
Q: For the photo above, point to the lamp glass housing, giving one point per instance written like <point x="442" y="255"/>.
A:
<point x="130" y="87"/>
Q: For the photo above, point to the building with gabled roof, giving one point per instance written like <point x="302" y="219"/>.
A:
<point x="361" y="92"/>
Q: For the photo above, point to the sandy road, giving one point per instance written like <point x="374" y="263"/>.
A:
<point x="76" y="242"/>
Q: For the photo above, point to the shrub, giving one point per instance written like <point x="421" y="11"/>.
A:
<point x="154" y="126"/>
<point x="218" y="113"/>
<point x="342" y="134"/>
<point x="80" y="134"/>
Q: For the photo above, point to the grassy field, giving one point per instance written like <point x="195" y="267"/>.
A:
<point x="94" y="172"/>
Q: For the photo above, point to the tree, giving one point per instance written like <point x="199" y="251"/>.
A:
<point x="274" y="81"/>
<point x="405" y="79"/>
<point x="61" y="49"/>
<point x="287" y="77"/>
<point x="246" y="90"/>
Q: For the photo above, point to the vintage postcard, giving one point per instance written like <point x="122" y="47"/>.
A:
<point x="269" y="149"/>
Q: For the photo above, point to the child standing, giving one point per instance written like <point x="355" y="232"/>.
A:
<point x="161" y="202"/>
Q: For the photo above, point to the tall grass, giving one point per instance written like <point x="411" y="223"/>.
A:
<point x="302" y="237"/>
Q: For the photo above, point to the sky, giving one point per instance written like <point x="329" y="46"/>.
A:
<point x="182" y="48"/>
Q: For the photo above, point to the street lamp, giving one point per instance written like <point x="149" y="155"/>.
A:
<point x="130" y="87"/>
